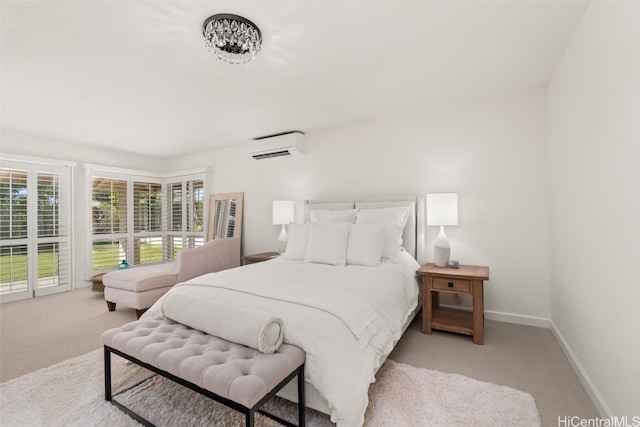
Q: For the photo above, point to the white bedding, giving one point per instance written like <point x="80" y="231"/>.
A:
<point x="347" y="319"/>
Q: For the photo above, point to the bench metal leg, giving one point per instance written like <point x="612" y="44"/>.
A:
<point x="301" y="397"/>
<point x="107" y="374"/>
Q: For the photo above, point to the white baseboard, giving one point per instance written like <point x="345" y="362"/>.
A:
<point x="518" y="319"/>
<point x="82" y="284"/>
<point x="601" y="406"/>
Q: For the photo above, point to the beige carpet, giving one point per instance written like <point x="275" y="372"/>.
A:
<point x="71" y="393"/>
<point x="43" y="331"/>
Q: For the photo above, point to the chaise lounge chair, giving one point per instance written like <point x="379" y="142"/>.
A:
<point x="140" y="287"/>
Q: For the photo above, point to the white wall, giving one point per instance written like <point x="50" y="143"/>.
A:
<point x="31" y="145"/>
<point x="492" y="153"/>
<point x="594" y="161"/>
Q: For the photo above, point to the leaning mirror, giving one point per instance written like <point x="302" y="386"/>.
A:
<point x="225" y="216"/>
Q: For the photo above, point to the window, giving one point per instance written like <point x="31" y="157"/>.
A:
<point x="13" y="231"/>
<point x="108" y="222"/>
<point x="144" y="219"/>
<point x="147" y="224"/>
<point x="185" y="212"/>
<point x="35" y="209"/>
<point x="126" y="220"/>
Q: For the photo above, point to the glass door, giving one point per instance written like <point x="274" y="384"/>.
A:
<point x="34" y="230"/>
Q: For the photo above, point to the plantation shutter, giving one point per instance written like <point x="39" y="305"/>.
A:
<point x="53" y="215"/>
<point x="185" y="214"/>
<point x="13" y="231"/>
<point x="35" y="223"/>
<point x="142" y="218"/>
<point x="109" y="222"/>
<point x="147" y="222"/>
<point x="195" y="199"/>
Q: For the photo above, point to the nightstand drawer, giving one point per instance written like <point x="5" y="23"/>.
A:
<point x="453" y="285"/>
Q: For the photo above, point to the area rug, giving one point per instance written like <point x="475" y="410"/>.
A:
<point x="71" y="393"/>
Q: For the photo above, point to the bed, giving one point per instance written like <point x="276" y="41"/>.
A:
<point x="342" y="307"/>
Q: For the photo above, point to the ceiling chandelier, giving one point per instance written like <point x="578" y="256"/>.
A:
<point x="231" y="38"/>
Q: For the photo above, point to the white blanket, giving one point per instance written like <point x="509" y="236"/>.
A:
<point x="346" y="306"/>
<point x="324" y="308"/>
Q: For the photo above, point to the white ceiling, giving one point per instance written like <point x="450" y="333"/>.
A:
<point x="135" y="75"/>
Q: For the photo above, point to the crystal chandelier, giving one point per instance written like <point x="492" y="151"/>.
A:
<point x="231" y="38"/>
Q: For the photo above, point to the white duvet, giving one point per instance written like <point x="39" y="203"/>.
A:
<point x="347" y="319"/>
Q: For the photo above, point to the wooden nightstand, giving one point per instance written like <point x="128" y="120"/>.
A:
<point x="265" y="256"/>
<point x="467" y="279"/>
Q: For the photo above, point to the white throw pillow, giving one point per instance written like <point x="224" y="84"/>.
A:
<point x="395" y="219"/>
<point x="339" y="216"/>
<point x="392" y="242"/>
<point x="365" y="244"/>
<point x="387" y="216"/>
<point x="327" y="243"/>
<point x="297" y="242"/>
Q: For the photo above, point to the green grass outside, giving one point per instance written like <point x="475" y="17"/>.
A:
<point x="47" y="266"/>
<point x="102" y="259"/>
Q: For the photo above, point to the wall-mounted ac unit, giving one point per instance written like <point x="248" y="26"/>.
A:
<point x="282" y="144"/>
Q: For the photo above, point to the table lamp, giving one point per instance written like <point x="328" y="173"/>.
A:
<point x="442" y="211"/>
<point x="282" y="215"/>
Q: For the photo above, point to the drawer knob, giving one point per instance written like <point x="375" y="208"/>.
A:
<point x="450" y="284"/>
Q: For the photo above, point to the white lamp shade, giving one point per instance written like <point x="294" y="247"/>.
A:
<point x="442" y="209"/>
<point x="282" y="212"/>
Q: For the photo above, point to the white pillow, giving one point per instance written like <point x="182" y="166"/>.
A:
<point x="296" y="241"/>
<point x="327" y="243"/>
<point x="392" y="242"/>
<point x="387" y="216"/>
<point x="339" y="216"/>
<point x="395" y="219"/>
<point x="365" y="244"/>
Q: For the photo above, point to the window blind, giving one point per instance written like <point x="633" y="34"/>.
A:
<point x="147" y="204"/>
<point x="35" y="209"/>
<point x="108" y="205"/>
<point x="53" y="215"/>
<point x="185" y="215"/>
<point x="15" y="269"/>
<point x="107" y="254"/>
<point x="13" y="231"/>
<point x="108" y="222"/>
<point x="147" y="225"/>
<point x="144" y="219"/>
<point x="13" y="204"/>
<point x="195" y="203"/>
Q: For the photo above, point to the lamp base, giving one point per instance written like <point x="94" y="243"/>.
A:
<point x="283" y="234"/>
<point x="441" y="250"/>
<point x="441" y="256"/>
<point x="282" y="240"/>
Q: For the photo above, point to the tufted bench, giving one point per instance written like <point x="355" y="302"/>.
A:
<point x="240" y="377"/>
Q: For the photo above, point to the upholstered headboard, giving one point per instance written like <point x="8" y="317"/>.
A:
<point x="409" y="234"/>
